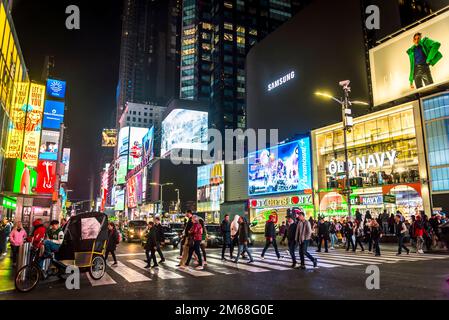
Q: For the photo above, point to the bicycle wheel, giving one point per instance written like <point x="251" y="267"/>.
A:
<point x="98" y="268"/>
<point x="27" y="278"/>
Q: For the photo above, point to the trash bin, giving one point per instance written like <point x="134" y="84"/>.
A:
<point x="24" y="255"/>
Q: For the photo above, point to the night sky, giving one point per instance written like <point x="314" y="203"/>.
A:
<point x="88" y="59"/>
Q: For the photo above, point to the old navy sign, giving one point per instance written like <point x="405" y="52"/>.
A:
<point x="372" y="161"/>
<point x="287" y="201"/>
<point x="282" y="80"/>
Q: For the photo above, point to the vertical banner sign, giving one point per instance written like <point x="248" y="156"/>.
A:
<point x="66" y="162"/>
<point x="35" y="110"/>
<point x="16" y="125"/>
<point x="46" y="176"/>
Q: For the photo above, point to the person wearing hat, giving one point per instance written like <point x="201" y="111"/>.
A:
<point x="270" y="236"/>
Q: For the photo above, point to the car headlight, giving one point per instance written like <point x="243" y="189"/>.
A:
<point x="212" y="237"/>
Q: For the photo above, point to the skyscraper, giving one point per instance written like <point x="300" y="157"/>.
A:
<point x="149" y="57"/>
<point x="216" y="36"/>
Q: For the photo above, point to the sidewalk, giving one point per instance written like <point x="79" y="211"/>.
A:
<point x="6" y="273"/>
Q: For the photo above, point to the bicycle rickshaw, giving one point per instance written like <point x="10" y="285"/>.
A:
<point x="84" y="246"/>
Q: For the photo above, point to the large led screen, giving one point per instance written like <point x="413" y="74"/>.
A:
<point x="56" y="88"/>
<point x="210" y="187"/>
<point x="148" y="145"/>
<point x="66" y="162"/>
<point x="49" y="145"/>
<point x="135" y="146"/>
<point x="123" y="147"/>
<point x="284" y="168"/>
<point x="53" y="114"/>
<point x="184" y="129"/>
<point x="46" y="176"/>
<point x="404" y="65"/>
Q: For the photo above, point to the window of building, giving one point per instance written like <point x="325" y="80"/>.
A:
<point x="228" y="37"/>
<point x="228" y="4"/>
<point x="228" y="26"/>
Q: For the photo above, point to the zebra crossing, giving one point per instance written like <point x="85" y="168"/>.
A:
<point x="133" y="271"/>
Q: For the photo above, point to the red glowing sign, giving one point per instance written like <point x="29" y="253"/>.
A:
<point x="46" y="176"/>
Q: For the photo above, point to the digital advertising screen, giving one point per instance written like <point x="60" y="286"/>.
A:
<point x="56" y="88"/>
<point x="414" y="61"/>
<point x="109" y="138"/>
<point x="66" y="162"/>
<point x="148" y="145"/>
<point x="46" y="176"/>
<point x="16" y="125"/>
<point x="49" y="145"/>
<point x="131" y="188"/>
<point x="19" y="178"/>
<point x="284" y="168"/>
<point x="135" y="146"/>
<point x="210" y="187"/>
<point x="33" y="125"/>
<point x="53" y="114"/>
<point x="123" y="147"/>
<point x="184" y="129"/>
<point x="119" y="199"/>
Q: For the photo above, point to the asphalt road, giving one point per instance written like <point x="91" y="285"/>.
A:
<point x="340" y="275"/>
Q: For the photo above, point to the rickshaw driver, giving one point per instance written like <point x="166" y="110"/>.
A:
<point x="55" y="237"/>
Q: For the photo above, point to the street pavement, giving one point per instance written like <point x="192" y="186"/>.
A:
<point x="340" y="275"/>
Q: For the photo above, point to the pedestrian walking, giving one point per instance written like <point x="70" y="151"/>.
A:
<point x="302" y="237"/>
<point x="197" y="234"/>
<point x="160" y="237"/>
<point x="225" y="228"/>
<point x="384" y="218"/>
<point x="333" y="233"/>
<point x="418" y="228"/>
<point x="113" y="240"/>
<point x="234" y="234"/>
<point x="358" y="234"/>
<point x="203" y="244"/>
<point x="5" y="230"/>
<point x="367" y="233"/>
<point x="16" y="239"/>
<point x="401" y="229"/>
<point x="290" y="234"/>
<point x="243" y="240"/>
<point x="282" y="231"/>
<point x="376" y="234"/>
<point x="323" y="234"/>
<point x="270" y="236"/>
<point x="151" y="245"/>
<point x="358" y="216"/>
<point x="185" y="234"/>
<point x="349" y="232"/>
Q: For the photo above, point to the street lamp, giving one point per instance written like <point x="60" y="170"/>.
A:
<point x="346" y="114"/>
<point x="178" y="202"/>
<point x="162" y="187"/>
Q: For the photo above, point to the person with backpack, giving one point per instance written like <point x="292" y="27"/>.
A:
<point x="113" y="241"/>
<point x="400" y="229"/>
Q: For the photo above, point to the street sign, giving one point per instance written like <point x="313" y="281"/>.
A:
<point x="389" y="198"/>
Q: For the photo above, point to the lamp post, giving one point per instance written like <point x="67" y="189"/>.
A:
<point x="162" y="187"/>
<point x="177" y="202"/>
<point x="346" y="114"/>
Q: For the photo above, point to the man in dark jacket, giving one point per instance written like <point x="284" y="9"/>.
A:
<point x="160" y="238"/>
<point x="185" y="234"/>
<point x="243" y="240"/>
<point x="348" y="232"/>
<point x="225" y="229"/>
<point x="151" y="245"/>
<point x="323" y="234"/>
<point x="290" y="236"/>
<point x="270" y="236"/>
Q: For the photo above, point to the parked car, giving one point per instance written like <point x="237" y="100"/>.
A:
<point x="134" y="231"/>
<point x="214" y="237"/>
<point x="171" y="236"/>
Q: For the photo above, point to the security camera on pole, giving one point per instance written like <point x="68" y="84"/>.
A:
<point x="347" y="119"/>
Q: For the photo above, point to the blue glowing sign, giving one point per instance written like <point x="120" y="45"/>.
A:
<point x="280" y="169"/>
<point x="56" y="88"/>
<point x="53" y="114"/>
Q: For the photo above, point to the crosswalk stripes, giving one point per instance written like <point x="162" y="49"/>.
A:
<point x="321" y="261"/>
<point x="159" y="272"/>
<point x="128" y="273"/>
<point x="307" y="262"/>
<point x="192" y="272"/>
<point x="106" y="280"/>
<point x="261" y="264"/>
<point x="240" y="266"/>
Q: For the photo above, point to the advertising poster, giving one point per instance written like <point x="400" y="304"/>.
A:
<point x="119" y="199"/>
<point x="148" y="145"/>
<point x="35" y="110"/>
<point x="109" y="138"/>
<point x="53" y="114"/>
<point x="49" y="145"/>
<point x="16" y="125"/>
<point x="132" y="192"/>
<point x="20" y="178"/>
<point x="414" y="61"/>
<point x="56" y="88"/>
<point x="46" y="176"/>
<point x="123" y="147"/>
<point x="184" y="129"/>
<point x="210" y="187"/>
<point x="66" y="162"/>
<point x="135" y="146"/>
<point x="284" y="168"/>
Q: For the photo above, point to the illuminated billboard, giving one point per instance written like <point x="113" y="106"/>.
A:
<point x="56" y="88"/>
<point x="280" y="169"/>
<point x="135" y="146"/>
<point x="16" y="125"/>
<point x="49" y="145"/>
<point x="19" y="177"/>
<point x="184" y="129"/>
<point x="410" y="63"/>
<point x="109" y="138"/>
<point x="123" y="147"/>
<point x="46" y="176"/>
<point x="131" y="188"/>
<point x="53" y="114"/>
<point x="33" y="124"/>
<point x="119" y="199"/>
<point x="148" y="145"/>
<point x="210" y="187"/>
<point x="66" y="163"/>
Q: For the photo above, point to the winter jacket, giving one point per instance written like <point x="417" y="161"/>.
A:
<point x="270" y="230"/>
<point x="188" y="226"/>
<point x="17" y="237"/>
<point x="243" y="232"/>
<point x="303" y="231"/>
<point x="56" y="236"/>
<point x="430" y="49"/>
<point x="160" y="237"/>
<point x="112" y="240"/>
<point x="291" y="232"/>
<point x="323" y="229"/>
<point x="418" y="228"/>
<point x="235" y="226"/>
<point x="225" y="228"/>
<point x="38" y="236"/>
<point x="375" y="233"/>
<point x="197" y="232"/>
<point x="151" y="238"/>
<point x="347" y="229"/>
